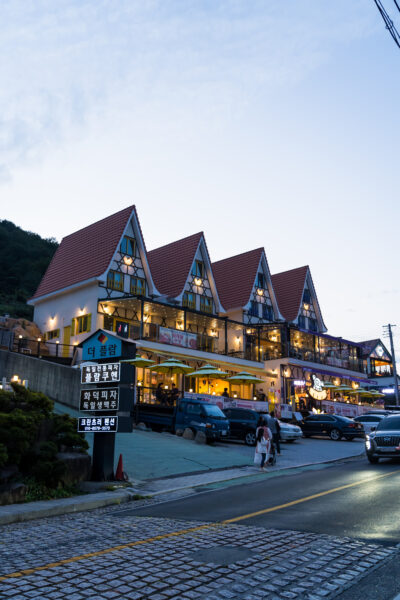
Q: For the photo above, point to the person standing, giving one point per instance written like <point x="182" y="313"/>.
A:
<point x="262" y="447"/>
<point x="275" y="429"/>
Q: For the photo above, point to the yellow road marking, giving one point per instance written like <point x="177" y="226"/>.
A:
<point x="181" y="532"/>
<point x="305" y="499"/>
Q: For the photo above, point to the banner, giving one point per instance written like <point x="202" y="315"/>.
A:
<point x="177" y="338"/>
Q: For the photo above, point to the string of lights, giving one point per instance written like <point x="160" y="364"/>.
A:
<point x="388" y="21"/>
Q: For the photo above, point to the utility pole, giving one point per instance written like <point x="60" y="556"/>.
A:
<point x="389" y="333"/>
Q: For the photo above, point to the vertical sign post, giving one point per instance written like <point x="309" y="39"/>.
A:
<point x="108" y="397"/>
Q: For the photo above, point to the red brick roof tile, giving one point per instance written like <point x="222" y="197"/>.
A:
<point x="84" y="254"/>
<point x="289" y="287"/>
<point x="235" y="278"/>
<point x="170" y="265"/>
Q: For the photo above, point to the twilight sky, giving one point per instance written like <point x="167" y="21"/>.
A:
<point x="262" y="123"/>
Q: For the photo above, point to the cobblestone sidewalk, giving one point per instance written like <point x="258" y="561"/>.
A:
<point x="180" y="559"/>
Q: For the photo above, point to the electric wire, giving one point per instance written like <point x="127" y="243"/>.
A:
<point x="388" y="21"/>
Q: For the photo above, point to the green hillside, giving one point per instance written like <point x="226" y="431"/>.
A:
<point x="24" y="257"/>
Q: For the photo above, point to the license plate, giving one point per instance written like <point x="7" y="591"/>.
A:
<point x="387" y="450"/>
<point x="224" y="432"/>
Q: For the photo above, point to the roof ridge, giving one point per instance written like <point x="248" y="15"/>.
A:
<point x="193" y="235"/>
<point x="260" y="249"/>
<point x="131" y="208"/>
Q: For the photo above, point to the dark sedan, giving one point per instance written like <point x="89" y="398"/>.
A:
<point x="242" y="424"/>
<point x="384" y="442"/>
<point x="332" y="425"/>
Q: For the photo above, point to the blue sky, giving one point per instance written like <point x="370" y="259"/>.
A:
<point x="262" y="123"/>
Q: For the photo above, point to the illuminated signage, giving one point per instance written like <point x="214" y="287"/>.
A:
<point x="316" y="390"/>
<point x="380" y="351"/>
<point x="388" y="391"/>
<point x="299" y="383"/>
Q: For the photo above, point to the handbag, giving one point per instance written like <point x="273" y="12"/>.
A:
<point x="257" y="458"/>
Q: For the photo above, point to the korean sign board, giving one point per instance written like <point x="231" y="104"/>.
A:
<point x="99" y="399"/>
<point x="102" y="373"/>
<point x="97" y="424"/>
<point x="101" y="345"/>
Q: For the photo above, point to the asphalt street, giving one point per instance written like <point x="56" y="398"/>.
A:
<point x="364" y="507"/>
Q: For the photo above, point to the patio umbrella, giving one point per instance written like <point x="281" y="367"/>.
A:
<point x="208" y="372"/>
<point x="139" y="361"/>
<point x="344" y="388"/>
<point x="171" y="366"/>
<point x="244" y="377"/>
<point x="329" y="386"/>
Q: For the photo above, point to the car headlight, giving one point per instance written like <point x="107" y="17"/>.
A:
<point x="368" y="442"/>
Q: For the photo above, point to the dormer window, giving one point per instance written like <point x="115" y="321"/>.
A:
<point x="198" y="269"/>
<point x="253" y="311"/>
<point x="268" y="314"/>
<point x="115" y="281"/>
<point x="128" y="246"/>
<point x="206" y="304"/>
<point x="261" y="281"/>
<point x="189" y="300"/>
<point x="306" y="297"/>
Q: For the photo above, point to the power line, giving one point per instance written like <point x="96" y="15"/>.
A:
<point x="388" y="333"/>
<point x="388" y="21"/>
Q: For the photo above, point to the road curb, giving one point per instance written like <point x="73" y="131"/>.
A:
<point x="18" y="513"/>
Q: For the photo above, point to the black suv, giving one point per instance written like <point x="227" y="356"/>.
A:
<point x="243" y="424"/>
<point x="333" y="425"/>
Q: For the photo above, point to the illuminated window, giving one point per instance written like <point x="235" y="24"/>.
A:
<point x="115" y="280"/>
<point x="51" y="335"/>
<point x="189" y="300"/>
<point x="128" y="246"/>
<point x="198" y="269"/>
<point x="81" y="324"/>
<point x="138" y="286"/>
<point x="206" y="304"/>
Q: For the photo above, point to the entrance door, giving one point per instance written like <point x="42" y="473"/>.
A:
<point x="66" y="341"/>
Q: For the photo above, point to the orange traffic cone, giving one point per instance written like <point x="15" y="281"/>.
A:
<point x="119" y="475"/>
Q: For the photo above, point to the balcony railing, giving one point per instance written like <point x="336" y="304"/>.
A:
<point x="51" y="351"/>
<point x="351" y="363"/>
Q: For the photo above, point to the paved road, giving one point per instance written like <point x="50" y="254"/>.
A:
<point x="368" y="511"/>
<point x="315" y="534"/>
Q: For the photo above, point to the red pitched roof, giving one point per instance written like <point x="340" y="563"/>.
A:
<point x="170" y="264"/>
<point x="235" y="278"/>
<point x="289" y="287"/>
<point x="84" y="254"/>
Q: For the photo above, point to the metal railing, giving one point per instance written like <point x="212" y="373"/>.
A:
<point x="354" y="364"/>
<point x="38" y="348"/>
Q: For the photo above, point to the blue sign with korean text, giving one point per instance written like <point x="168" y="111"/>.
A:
<point x="101" y="345"/>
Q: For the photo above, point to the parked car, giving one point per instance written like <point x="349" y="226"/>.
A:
<point x="289" y="432"/>
<point x="193" y="414"/>
<point x="370" y="420"/>
<point x="242" y="424"/>
<point x="334" y="426"/>
<point x="384" y="442"/>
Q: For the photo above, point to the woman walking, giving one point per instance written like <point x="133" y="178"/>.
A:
<point x="262" y="448"/>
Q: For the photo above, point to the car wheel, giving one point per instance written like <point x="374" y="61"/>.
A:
<point x="349" y="437"/>
<point x="307" y="435"/>
<point x="290" y="441"/>
<point x="250" y="438"/>
<point x="373" y="459"/>
<point x="335" y="435"/>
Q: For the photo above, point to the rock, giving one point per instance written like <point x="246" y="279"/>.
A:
<point x="200" y="438"/>
<point x="188" y="434"/>
<point x="179" y="432"/>
<point x="78" y="466"/>
<point x="11" y="493"/>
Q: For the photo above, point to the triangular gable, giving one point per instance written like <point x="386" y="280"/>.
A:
<point x="136" y="266"/>
<point x="376" y="349"/>
<point x="85" y="256"/>
<point x="237" y="281"/>
<point x="172" y="265"/>
<point x="289" y="288"/>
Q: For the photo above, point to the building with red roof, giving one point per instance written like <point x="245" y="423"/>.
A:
<point x="172" y="301"/>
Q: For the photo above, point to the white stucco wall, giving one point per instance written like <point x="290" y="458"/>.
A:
<point x="58" y="311"/>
